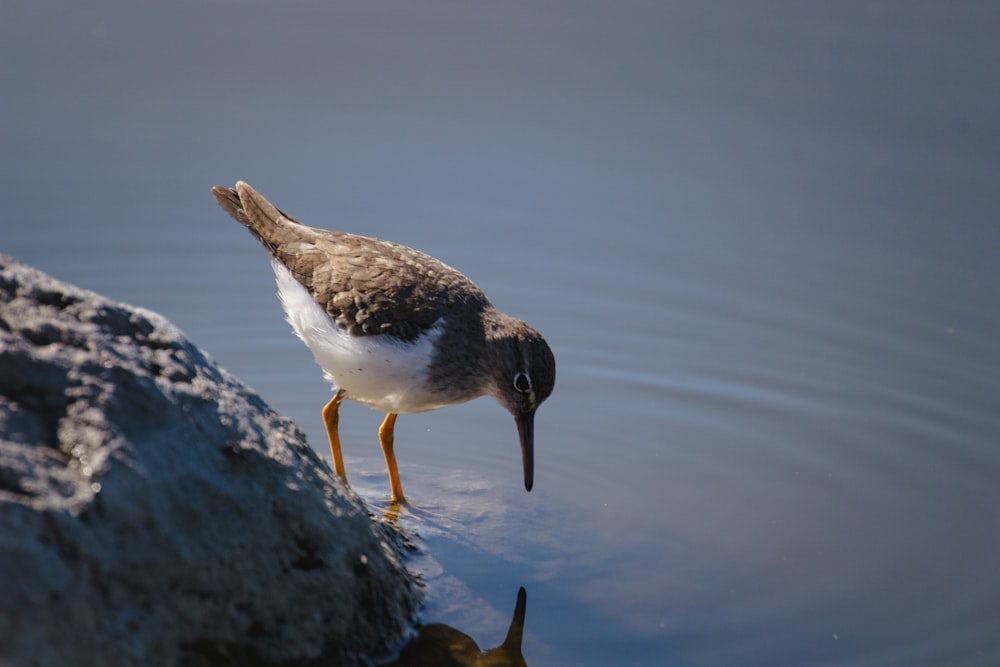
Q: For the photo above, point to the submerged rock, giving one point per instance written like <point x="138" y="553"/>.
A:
<point x="153" y="510"/>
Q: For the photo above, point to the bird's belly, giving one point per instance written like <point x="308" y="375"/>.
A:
<point x="380" y="372"/>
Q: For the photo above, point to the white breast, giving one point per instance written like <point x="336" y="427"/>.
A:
<point x="381" y="372"/>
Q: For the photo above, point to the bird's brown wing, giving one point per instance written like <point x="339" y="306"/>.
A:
<point x="368" y="286"/>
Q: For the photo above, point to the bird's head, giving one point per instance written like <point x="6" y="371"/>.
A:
<point x="523" y="375"/>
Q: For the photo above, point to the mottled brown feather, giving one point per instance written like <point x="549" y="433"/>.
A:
<point x="368" y="286"/>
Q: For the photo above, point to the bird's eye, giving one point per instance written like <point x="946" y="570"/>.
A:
<point x="522" y="382"/>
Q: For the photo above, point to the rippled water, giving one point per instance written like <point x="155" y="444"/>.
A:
<point x="761" y="242"/>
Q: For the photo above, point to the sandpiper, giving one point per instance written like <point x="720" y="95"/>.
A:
<point x="395" y="329"/>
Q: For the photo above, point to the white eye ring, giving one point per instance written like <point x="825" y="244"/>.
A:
<point x="522" y="382"/>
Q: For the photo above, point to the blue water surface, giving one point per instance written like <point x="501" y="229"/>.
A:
<point x="761" y="238"/>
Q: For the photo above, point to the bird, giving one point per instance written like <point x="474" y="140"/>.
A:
<point x="439" y="645"/>
<point x="395" y="329"/>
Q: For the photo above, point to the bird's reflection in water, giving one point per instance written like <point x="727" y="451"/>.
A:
<point x="438" y="645"/>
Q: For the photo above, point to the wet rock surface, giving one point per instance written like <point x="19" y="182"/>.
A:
<point x="153" y="510"/>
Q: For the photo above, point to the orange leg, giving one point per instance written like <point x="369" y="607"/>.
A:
<point x="331" y="417"/>
<point x="385" y="437"/>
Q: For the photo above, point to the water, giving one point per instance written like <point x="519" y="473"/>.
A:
<point x="762" y="242"/>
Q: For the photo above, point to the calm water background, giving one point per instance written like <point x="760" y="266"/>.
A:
<point x="763" y="240"/>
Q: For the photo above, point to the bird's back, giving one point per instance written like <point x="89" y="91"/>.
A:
<point x="368" y="286"/>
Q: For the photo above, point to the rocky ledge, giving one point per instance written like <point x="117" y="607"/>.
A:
<point x="153" y="510"/>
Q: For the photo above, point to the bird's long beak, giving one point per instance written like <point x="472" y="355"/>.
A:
<point x="526" y="431"/>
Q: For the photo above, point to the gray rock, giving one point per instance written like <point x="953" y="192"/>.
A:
<point x="154" y="511"/>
